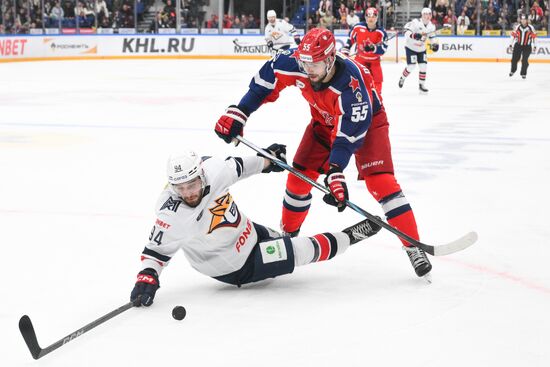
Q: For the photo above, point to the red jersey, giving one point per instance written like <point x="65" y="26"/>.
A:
<point x="361" y="35"/>
<point x="345" y="104"/>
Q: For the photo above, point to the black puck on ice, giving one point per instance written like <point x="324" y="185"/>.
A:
<point x="179" y="312"/>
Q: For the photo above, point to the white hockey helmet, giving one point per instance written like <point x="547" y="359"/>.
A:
<point x="271" y="13"/>
<point x="426" y="15"/>
<point x="426" y="11"/>
<point x="184" y="167"/>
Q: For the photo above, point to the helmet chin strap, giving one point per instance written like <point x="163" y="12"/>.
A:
<point x="329" y="66"/>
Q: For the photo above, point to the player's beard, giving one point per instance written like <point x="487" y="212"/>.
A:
<point x="316" y="84"/>
<point x="193" y="200"/>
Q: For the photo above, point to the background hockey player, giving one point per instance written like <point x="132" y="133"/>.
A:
<point x="277" y="33"/>
<point x="416" y="33"/>
<point x="522" y="43"/>
<point x="347" y="118"/>
<point x="196" y="213"/>
<point x="371" y="42"/>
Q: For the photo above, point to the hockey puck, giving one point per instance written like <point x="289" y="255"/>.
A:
<point x="179" y="313"/>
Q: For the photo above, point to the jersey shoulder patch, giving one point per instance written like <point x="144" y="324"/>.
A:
<point x="286" y="60"/>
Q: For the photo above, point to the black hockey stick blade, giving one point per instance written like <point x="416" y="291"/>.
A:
<point x="27" y="330"/>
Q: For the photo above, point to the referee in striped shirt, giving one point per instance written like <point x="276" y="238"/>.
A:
<point x="523" y="42"/>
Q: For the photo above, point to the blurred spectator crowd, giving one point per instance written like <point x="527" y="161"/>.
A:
<point x="460" y="16"/>
<point x="498" y="15"/>
<point x="20" y="16"/>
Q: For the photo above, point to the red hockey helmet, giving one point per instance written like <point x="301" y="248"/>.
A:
<point x="317" y="45"/>
<point x="371" y="13"/>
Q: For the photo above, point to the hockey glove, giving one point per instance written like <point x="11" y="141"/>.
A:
<point x="279" y="151"/>
<point x="434" y="47"/>
<point x="417" y="36"/>
<point x="335" y="181"/>
<point x="297" y="39"/>
<point x="344" y="51"/>
<point x="146" y="286"/>
<point x="270" y="45"/>
<point x="231" y="124"/>
<point x="370" y="47"/>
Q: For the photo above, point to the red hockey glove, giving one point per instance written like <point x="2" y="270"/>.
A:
<point x="336" y="183"/>
<point x="146" y="286"/>
<point x="231" y="124"/>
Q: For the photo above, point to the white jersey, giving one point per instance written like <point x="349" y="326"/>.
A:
<point x="216" y="237"/>
<point x="279" y="33"/>
<point x="417" y="26"/>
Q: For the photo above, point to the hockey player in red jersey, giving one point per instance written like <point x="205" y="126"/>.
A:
<point x="371" y="41"/>
<point x="347" y="118"/>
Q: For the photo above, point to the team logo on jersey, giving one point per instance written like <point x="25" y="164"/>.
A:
<point x="276" y="35"/>
<point x="171" y="204"/>
<point x="328" y="118"/>
<point x="300" y="84"/>
<point x="354" y="84"/>
<point x="359" y="96"/>
<point x="224" y="214"/>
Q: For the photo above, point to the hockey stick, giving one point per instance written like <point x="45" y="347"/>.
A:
<point x="445" y="249"/>
<point x="257" y="44"/>
<point x="27" y="330"/>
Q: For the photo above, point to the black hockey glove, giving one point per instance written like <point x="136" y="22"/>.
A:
<point x="231" y="124"/>
<point x="297" y="39"/>
<point x="270" y="44"/>
<point x="417" y="36"/>
<point x="434" y="47"/>
<point x="279" y="151"/>
<point x="146" y="286"/>
<point x="370" y="47"/>
<point x="335" y="181"/>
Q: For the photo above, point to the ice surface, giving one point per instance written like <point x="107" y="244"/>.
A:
<point x="83" y="147"/>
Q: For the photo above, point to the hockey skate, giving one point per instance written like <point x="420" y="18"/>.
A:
<point x="422" y="89"/>
<point x="511" y="73"/>
<point x="361" y="231"/>
<point x="401" y="82"/>
<point x="524" y="76"/>
<point x="420" y="262"/>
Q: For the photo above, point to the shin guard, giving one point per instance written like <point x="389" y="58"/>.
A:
<point x="385" y="189"/>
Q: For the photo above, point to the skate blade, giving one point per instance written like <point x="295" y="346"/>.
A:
<point x="428" y="278"/>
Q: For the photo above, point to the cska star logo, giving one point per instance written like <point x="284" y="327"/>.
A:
<point x="224" y="214"/>
<point x="354" y="84"/>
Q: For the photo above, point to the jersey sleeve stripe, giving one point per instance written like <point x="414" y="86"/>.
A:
<point x="151" y="253"/>
<point x="264" y="83"/>
<point x="239" y="164"/>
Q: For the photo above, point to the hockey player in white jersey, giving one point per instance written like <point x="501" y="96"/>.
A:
<point x="277" y="33"/>
<point x="196" y="213"/>
<point x="417" y="32"/>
